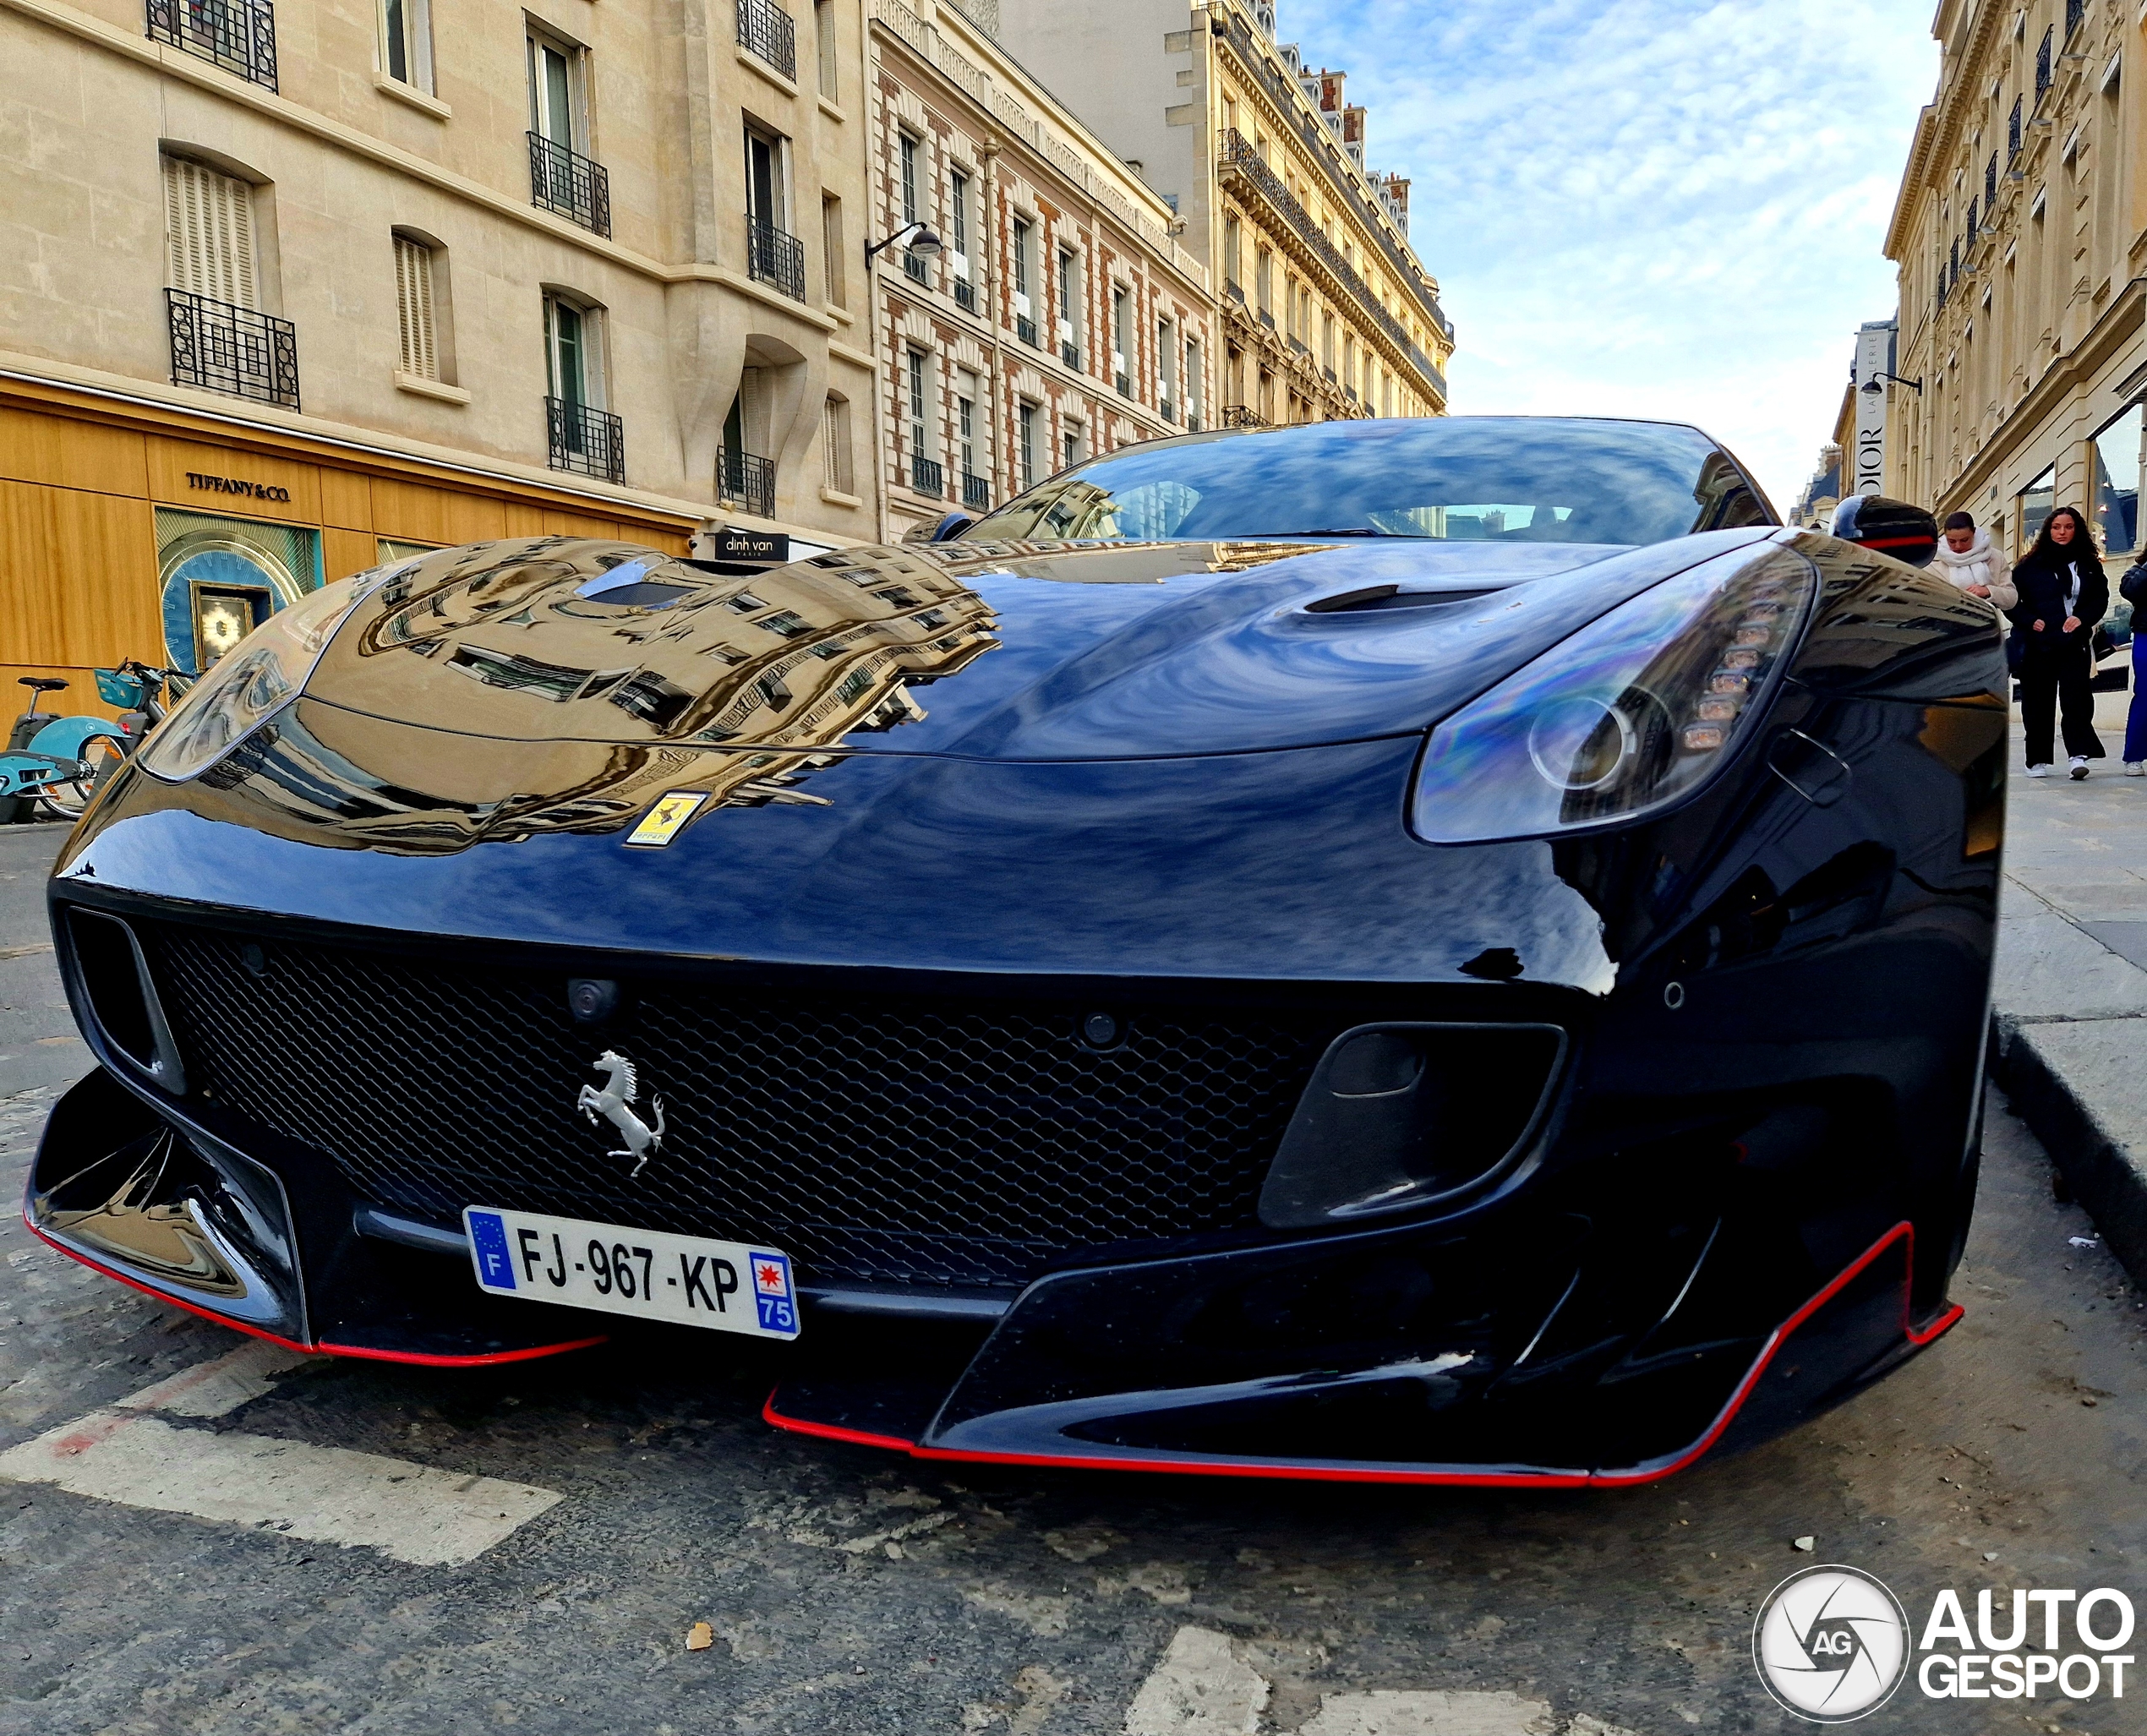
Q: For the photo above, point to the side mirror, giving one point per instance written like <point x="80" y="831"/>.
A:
<point x="1908" y="533"/>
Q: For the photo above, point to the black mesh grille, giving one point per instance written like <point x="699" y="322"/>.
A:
<point x="884" y="1138"/>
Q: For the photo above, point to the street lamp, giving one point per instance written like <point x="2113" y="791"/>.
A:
<point x="918" y="236"/>
<point x="1872" y="384"/>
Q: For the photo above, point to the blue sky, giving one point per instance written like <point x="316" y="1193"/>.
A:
<point x="1645" y="207"/>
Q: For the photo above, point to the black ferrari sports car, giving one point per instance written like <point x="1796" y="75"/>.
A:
<point x="1443" y="950"/>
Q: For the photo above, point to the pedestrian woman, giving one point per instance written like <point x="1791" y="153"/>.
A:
<point x="2062" y="595"/>
<point x="1966" y="560"/>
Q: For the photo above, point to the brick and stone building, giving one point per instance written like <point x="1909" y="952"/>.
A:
<point x="1061" y="318"/>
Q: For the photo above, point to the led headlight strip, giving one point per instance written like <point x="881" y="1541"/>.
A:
<point x="1628" y="715"/>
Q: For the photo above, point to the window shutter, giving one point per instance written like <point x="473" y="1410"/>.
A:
<point x="209" y="230"/>
<point x="413" y="291"/>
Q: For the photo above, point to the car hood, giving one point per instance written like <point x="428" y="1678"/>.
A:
<point x="1039" y="652"/>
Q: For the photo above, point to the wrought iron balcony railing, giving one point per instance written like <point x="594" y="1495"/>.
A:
<point x="238" y="35"/>
<point x="965" y="295"/>
<point x="1239" y="157"/>
<point x="1329" y="373"/>
<point x="2042" y="65"/>
<point x="1233" y="292"/>
<point x="976" y="493"/>
<point x="765" y="29"/>
<point x="1167" y="410"/>
<point x="1243" y="416"/>
<point x="775" y="256"/>
<point x="1267" y="319"/>
<point x="587" y="441"/>
<point x="1192" y="423"/>
<point x="567" y="181"/>
<point x="1069" y="354"/>
<point x="1125" y="385"/>
<point x="2075" y="15"/>
<point x="913" y="267"/>
<point x="926" y="476"/>
<point x="231" y="349"/>
<point x="745" y="479"/>
<point x="1024" y="328"/>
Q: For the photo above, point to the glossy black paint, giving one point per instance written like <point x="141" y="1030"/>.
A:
<point x="1145" y="771"/>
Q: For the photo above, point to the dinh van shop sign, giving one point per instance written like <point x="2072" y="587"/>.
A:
<point x="235" y="485"/>
<point x="1832" y="1644"/>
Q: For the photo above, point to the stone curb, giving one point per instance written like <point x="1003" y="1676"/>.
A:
<point x="2048" y="1070"/>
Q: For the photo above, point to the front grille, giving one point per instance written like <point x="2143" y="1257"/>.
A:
<point x="878" y="1136"/>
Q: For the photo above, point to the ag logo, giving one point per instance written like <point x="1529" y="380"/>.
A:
<point x="1832" y="1644"/>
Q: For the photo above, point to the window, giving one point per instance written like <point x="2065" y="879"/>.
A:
<point x="773" y="254"/>
<point x="1193" y="383"/>
<point x="824" y="24"/>
<point x="414" y="308"/>
<point x="1166" y="355"/>
<point x="570" y="372"/>
<point x="765" y="200"/>
<point x="209" y="233"/>
<point x="924" y="469"/>
<point x="1025" y="251"/>
<point x="957" y="203"/>
<point x="555" y="96"/>
<point x="1264" y="284"/>
<point x="832" y="254"/>
<point x="1069" y="303"/>
<point x="1121" y="338"/>
<point x="1232" y="238"/>
<point x="965" y="425"/>
<point x="908" y="148"/>
<point x="2116" y="482"/>
<point x="2036" y="500"/>
<point x="1024" y="417"/>
<point x="406" y="42"/>
<point x="834" y="441"/>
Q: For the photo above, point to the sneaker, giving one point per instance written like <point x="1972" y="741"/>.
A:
<point x="2136" y="768"/>
<point x="2039" y="771"/>
<point x="2079" y="766"/>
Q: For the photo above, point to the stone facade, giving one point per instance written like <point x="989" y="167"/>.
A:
<point x="1326" y="310"/>
<point x="2020" y="232"/>
<point x="380" y="142"/>
<point x="1061" y="318"/>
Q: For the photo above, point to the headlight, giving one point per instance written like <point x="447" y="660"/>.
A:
<point x="1629" y="714"/>
<point x="258" y="677"/>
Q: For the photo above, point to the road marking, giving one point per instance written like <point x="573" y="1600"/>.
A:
<point x="412" y="1513"/>
<point x="1203" y="1686"/>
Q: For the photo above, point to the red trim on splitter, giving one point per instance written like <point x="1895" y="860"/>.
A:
<point x="417" y="1358"/>
<point x="1452" y="1479"/>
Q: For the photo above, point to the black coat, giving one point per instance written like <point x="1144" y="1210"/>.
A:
<point x="2053" y="587"/>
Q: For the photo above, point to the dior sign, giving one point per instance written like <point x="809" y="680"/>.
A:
<point x="234" y="485"/>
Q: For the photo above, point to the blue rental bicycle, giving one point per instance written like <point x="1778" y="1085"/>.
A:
<point x="56" y="765"/>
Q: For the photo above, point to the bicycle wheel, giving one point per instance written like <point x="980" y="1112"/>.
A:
<point x="103" y="754"/>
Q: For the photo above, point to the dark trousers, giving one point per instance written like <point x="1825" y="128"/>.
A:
<point x="2048" y="679"/>
<point x="2136" y="721"/>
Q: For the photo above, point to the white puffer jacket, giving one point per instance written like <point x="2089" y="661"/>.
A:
<point x="1982" y="565"/>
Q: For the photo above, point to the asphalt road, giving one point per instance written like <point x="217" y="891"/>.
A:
<point x="850" y="1591"/>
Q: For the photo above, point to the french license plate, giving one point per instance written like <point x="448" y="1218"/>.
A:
<point x="688" y="1281"/>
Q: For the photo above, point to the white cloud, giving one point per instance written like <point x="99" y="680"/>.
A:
<point x="1644" y="207"/>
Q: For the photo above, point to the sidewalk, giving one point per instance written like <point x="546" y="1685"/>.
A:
<point x="2069" y="1005"/>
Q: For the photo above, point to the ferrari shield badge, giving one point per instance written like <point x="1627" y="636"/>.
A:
<point x="663" y="822"/>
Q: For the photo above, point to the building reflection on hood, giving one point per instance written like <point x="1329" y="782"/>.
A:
<point x="630" y="674"/>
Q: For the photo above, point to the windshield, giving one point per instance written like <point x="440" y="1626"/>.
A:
<point x="1500" y="480"/>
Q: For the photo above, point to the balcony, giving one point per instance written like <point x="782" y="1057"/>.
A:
<point x="1243" y="416"/>
<point x="2075" y="15"/>
<point x="746" y="481"/>
<point x="926" y="476"/>
<point x="587" y="441"/>
<point x="1239" y="160"/>
<point x="1298" y="347"/>
<point x="765" y="30"/>
<point x="1069" y="354"/>
<point x="976" y="493"/>
<point x="1267" y="319"/>
<point x="223" y="348"/>
<point x="965" y="295"/>
<point x="567" y="181"/>
<point x="1024" y="328"/>
<point x="238" y="35"/>
<point x="1167" y="410"/>
<point x="1124" y="385"/>
<point x="1192" y="422"/>
<point x="774" y="256"/>
<point x="913" y="267"/>
<point x="1329" y="373"/>
<point x="1233" y="292"/>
